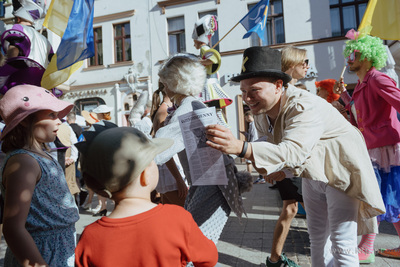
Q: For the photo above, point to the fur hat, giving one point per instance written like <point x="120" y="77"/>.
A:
<point x="183" y="74"/>
<point x="112" y="157"/>
<point x="205" y="28"/>
<point x="22" y="100"/>
<point x="262" y="61"/>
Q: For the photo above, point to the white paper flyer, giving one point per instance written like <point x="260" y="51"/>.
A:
<point x="206" y="164"/>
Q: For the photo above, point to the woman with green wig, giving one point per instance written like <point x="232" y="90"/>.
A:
<point x="373" y="109"/>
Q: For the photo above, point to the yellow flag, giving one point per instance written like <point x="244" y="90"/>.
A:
<point x="383" y="16"/>
<point x="56" y="20"/>
<point x="53" y="77"/>
<point x="57" y="16"/>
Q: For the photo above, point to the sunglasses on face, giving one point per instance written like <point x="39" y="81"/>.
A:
<point x="306" y="62"/>
<point x="352" y="56"/>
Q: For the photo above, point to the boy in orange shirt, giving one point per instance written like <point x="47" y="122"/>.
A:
<point x="117" y="162"/>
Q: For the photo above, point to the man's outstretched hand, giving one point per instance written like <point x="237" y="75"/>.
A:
<point x="222" y="139"/>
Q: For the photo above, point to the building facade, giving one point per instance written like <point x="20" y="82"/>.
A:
<point x="134" y="37"/>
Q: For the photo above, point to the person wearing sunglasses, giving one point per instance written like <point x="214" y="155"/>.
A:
<point x="373" y="106"/>
<point x="295" y="63"/>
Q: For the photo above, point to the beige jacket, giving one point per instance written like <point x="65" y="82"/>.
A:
<point x="313" y="140"/>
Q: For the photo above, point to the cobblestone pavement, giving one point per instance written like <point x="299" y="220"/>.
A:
<point x="248" y="243"/>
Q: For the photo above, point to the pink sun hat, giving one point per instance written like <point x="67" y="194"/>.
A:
<point x="22" y="100"/>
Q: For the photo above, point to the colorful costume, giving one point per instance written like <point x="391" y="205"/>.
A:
<point x="212" y="95"/>
<point x="31" y="43"/>
<point x="373" y="109"/>
<point x="381" y="130"/>
<point x="34" y="49"/>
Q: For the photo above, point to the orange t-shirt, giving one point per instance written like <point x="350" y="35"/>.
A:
<point x="166" y="235"/>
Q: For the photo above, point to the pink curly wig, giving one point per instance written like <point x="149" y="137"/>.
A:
<point x="328" y="86"/>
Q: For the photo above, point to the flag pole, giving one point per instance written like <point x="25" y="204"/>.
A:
<point x="225" y="35"/>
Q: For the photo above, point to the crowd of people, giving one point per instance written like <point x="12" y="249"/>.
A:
<point x="336" y="154"/>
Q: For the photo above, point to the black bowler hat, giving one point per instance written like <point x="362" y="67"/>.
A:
<point x="262" y="61"/>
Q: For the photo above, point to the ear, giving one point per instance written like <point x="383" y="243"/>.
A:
<point x="279" y="86"/>
<point x="144" y="178"/>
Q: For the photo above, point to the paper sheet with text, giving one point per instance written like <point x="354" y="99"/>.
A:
<point x="206" y="164"/>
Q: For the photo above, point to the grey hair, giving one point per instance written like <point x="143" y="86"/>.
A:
<point x="183" y="74"/>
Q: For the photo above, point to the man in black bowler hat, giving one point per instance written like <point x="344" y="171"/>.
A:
<point x="309" y="138"/>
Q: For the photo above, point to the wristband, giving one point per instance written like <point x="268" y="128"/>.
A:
<point x="244" y="149"/>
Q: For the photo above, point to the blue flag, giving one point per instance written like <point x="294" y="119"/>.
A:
<point x="77" y="43"/>
<point x="256" y="20"/>
<point x="72" y="20"/>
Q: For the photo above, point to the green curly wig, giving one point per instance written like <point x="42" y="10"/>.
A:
<point x="370" y="47"/>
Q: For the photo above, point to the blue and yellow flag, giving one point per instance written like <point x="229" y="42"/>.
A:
<point x="256" y="20"/>
<point x="72" y="20"/>
<point x="382" y="19"/>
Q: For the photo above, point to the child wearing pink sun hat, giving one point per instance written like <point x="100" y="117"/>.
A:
<point x="39" y="212"/>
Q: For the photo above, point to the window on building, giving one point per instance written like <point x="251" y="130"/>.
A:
<point x="346" y="15"/>
<point x="87" y="104"/>
<point x="122" y="42"/>
<point x="215" y="37"/>
<point x="275" y="31"/>
<point x="176" y="35"/>
<point x="97" y="59"/>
